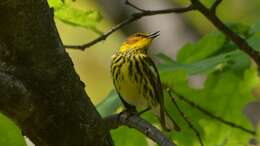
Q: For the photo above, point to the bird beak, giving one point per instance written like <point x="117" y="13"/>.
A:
<point x="154" y="35"/>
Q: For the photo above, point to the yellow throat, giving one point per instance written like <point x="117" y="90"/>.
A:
<point x="138" y="42"/>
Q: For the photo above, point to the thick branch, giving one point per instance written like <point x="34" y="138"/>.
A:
<point x="134" y="121"/>
<point x="14" y="97"/>
<point x="53" y="108"/>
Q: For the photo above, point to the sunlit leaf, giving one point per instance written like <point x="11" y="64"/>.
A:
<point x="241" y="29"/>
<point x="234" y="59"/>
<point x="76" y="17"/>
<point x="207" y="3"/>
<point x="225" y="94"/>
<point x="55" y="3"/>
<point x="226" y="91"/>
<point x="205" y="47"/>
<point x="125" y="136"/>
<point x="10" y="134"/>
<point x="202" y="66"/>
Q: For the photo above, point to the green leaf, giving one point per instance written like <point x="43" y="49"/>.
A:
<point x="225" y="94"/>
<point x="254" y="40"/>
<point x="164" y="58"/>
<point x="205" y="47"/>
<point x="226" y="91"/>
<point x="232" y="92"/>
<point x="258" y="132"/>
<point x="240" y="29"/>
<point x="109" y="105"/>
<point x="238" y="63"/>
<point x="76" y="17"/>
<point x="10" y="134"/>
<point x="55" y="3"/>
<point x="255" y="27"/>
<point x="235" y="59"/>
<point x="178" y="80"/>
<point x="207" y="3"/>
<point x="124" y="136"/>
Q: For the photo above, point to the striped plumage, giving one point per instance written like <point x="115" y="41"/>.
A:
<point x="136" y="78"/>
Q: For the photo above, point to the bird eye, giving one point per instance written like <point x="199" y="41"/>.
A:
<point x="140" y="35"/>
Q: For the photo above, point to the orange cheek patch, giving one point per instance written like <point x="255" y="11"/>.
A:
<point x="131" y="40"/>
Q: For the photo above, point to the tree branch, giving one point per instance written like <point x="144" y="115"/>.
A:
<point x="196" y="5"/>
<point x="215" y="5"/>
<point x="218" y="118"/>
<point x="127" y="2"/>
<point x="43" y="94"/>
<point x="134" y="121"/>
<point x="134" y="17"/>
<point x="185" y="117"/>
<point x="14" y="97"/>
<point x="238" y="40"/>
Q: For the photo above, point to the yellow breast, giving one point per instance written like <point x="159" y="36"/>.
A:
<point x="128" y="82"/>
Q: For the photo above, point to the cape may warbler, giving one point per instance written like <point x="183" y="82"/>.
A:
<point x="136" y="78"/>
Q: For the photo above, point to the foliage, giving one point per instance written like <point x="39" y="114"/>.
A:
<point x="226" y="91"/>
<point x="10" y="134"/>
<point x="205" y="47"/>
<point x="134" y="137"/>
<point x="109" y="104"/>
<point x="254" y="39"/>
<point x="76" y="17"/>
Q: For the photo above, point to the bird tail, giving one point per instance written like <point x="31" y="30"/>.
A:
<point x="167" y="123"/>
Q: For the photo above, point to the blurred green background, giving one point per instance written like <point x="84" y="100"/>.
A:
<point x="93" y="65"/>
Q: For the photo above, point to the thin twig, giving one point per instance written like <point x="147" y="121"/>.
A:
<point x="132" y="18"/>
<point x="104" y="36"/>
<point x="185" y="117"/>
<point x="218" y="118"/>
<point x="196" y="5"/>
<point x="127" y="2"/>
<point x="238" y="40"/>
<point x="136" y="122"/>
<point x="215" y="5"/>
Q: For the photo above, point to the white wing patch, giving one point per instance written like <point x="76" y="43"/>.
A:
<point x="152" y="69"/>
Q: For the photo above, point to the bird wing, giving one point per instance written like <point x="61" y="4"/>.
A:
<point x="156" y="83"/>
<point x="154" y="78"/>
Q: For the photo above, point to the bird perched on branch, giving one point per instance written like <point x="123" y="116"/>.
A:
<point x="137" y="80"/>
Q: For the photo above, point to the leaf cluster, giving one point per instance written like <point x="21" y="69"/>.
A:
<point x="227" y="89"/>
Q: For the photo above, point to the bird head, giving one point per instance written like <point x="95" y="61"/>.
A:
<point x="138" y="42"/>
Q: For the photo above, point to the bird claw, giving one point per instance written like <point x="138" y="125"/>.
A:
<point x="127" y="113"/>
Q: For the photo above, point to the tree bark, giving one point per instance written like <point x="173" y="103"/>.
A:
<point x="39" y="88"/>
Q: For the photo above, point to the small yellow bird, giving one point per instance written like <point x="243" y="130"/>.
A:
<point x="137" y="80"/>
